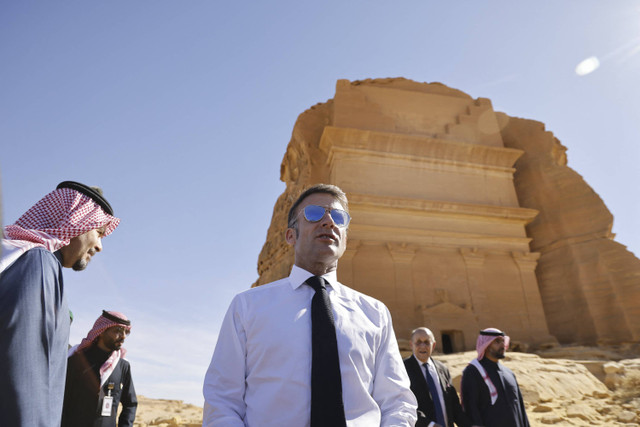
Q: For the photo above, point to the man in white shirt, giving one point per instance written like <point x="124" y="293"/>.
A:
<point x="265" y="358"/>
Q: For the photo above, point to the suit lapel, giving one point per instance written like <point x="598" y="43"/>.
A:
<point x="441" y="378"/>
<point x="418" y="376"/>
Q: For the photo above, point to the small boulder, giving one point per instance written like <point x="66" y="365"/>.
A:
<point x="628" y="417"/>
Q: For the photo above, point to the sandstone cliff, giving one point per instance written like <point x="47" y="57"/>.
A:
<point x="299" y="166"/>
<point x="590" y="284"/>
<point x="460" y="211"/>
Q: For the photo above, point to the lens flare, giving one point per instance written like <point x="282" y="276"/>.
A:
<point x="588" y="66"/>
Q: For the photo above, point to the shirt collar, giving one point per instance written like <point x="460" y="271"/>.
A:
<point x="299" y="275"/>
<point x="421" y="363"/>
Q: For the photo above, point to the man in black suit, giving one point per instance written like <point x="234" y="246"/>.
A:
<point x="438" y="402"/>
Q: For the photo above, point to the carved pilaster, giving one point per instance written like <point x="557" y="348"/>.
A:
<point x="345" y="270"/>
<point x="474" y="262"/>
<point x="402" y="255"/>
<point x="535" y="324"/>
<point x="526" y="261"/>
<point x="473" y="257"/>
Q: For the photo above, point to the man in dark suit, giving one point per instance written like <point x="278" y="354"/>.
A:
<point x="438" y="402"/>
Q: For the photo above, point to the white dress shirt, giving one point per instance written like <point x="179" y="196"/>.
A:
<point x="260" y="372"/>
<point x="434" y="374"/>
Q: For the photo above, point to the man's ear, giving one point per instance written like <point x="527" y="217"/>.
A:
<point x="290" y="236"/>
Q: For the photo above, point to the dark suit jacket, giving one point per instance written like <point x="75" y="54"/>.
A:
<point x="420" y="388"/>
<point x="82" y="401"/>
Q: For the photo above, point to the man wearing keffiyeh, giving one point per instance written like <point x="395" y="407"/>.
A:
<point x="99" y="378"/>
<point x="491" y="396"/>
<point x="64" y="229"/>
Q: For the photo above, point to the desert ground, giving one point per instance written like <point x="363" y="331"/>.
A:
<point x="563" y="386"/>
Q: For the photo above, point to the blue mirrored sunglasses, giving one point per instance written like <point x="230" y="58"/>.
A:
<point x="314" y="213"/>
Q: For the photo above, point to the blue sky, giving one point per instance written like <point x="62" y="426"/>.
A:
<point x="182" y="110"/>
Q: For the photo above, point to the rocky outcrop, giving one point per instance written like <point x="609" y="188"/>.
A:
<point x="460" y="212"/>
<point x="556" y="391"/>
<point x="589" y="284"/>
<point x="302" y="164"/>
<point x="167" y="413"/>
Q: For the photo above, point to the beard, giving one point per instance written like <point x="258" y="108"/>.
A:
<point x="498" y="354"/>
<point x="115" y="346"/>
<point x="80" y="265"/>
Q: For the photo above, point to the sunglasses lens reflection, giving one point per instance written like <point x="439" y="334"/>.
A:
<point x="340" y="217"/>
<point x="314" y="213"/>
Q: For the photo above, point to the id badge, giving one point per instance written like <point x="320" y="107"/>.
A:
<point x="107" y="402"/>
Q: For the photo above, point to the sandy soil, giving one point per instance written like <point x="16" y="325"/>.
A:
<point x="577" y="386"/>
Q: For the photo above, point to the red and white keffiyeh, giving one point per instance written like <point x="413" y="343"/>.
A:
<point x="102" y="324"/>
<point x="482" y="343"/>
<point x="485" y="341"/>
<point x="52" y="222"/>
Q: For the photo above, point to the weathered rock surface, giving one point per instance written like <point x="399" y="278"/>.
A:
<point x="558" y="392"/>
<point x="464" y="218"/>
<point x="438" y="234"/>
<point x="590" y="284"/>
<point x="167" y="413"/>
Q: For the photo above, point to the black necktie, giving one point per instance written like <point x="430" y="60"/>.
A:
<point x="434" y="396"/>
<point x="327" y="408"/>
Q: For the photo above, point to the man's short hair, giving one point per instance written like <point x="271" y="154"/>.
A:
<point x="333" y="190"/>
<point x="425" y="330"/>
